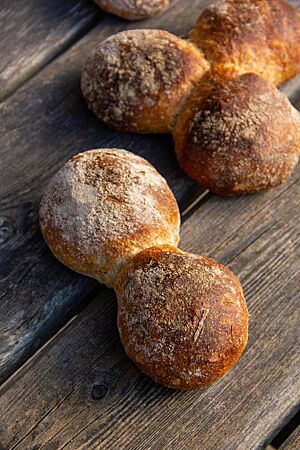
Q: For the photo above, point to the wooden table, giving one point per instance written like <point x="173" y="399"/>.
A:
<point x="66" y="380"/>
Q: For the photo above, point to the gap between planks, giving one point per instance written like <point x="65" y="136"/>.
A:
<point x="292" y="442"/>
<point x="47" y="55"/>
<point x="46" y="58"/>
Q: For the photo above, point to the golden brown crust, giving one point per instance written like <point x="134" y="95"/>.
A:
<point x="137" y="80"/>
<point x="103" y="207"/>
<point x="134" y="9"/>
<point x="182" y="318"/>
<point x="237" y="135"/>
<point x="260" y="36"/>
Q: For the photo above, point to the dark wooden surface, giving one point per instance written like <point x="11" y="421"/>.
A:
<point x="293" y="442"/>
<point x="34" y="32"/>
<point x="80" y="390"/>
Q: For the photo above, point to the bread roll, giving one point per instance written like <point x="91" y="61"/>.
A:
<point x="237" y="135"/>
<point x="182" y="318"/>
<point x="260" y="36"/>
<point x="103" y="207"/>
<point x="134" y="9"/>
<point x="137" y="80"/>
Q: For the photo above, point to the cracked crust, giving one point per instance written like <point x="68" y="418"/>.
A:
<point x="137" y="80"/>
<point x="259" y="36"/>
<point x="103" y="207"/>
<point x="237" y="135"/>
<point x="134" y="9"/>
<point x="182" y="318"/>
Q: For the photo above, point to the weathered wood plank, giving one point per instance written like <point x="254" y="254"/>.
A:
<point x="81" y="391"/>
<point x="293" y="442"/>
<point x="33" y="33"/>
<point x="41" y="125"/>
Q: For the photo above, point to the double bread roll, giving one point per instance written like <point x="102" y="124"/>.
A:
<point x="182" y="318"/>
<point x="226" y="123"/>
<point x="134" y="9"/>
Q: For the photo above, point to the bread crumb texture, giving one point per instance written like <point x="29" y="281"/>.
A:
<point x="182" y="317"/>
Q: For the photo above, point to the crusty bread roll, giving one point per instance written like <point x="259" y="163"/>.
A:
<point x="260" y="36"/>
<point x="134" y="9"/>
<point x="137" y="80"/>
<point x="182" y="318"/>
<point x="144" y="81"/>
<point x="103" y="207"/>
<point x="237" y="135"/>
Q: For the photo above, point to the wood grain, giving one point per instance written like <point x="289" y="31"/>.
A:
<point x="94" y="397"/>
<point x="81" y="389"/>
<point x="34" y="32"/>
<point x="293" y="442"/>
<point x="41" y="125"/>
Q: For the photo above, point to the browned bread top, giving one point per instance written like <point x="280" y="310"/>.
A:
<point x="134" y="9"/>
<point x="237" y="135"/>
<point x="260" y="36"/>
<point x="182" y="318"/>
<point x="137" y="80"/>
<point x="102" y="207"/>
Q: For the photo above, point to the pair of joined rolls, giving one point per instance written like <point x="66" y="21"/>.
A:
<point x="182" y="318"/>
<point x="234" y="133"/>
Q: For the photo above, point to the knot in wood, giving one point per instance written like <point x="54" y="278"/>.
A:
<point x="99" y="391"/>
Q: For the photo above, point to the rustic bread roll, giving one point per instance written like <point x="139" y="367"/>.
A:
<point x="182" y="318"/>
<point x="137" y="80"/>
<point x="103" y="207"/>
<point x="134" y="9"/>
<point x="237" y="136"/>
<point x="260" y="36"/>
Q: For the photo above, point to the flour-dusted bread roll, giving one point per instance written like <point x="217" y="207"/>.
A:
<point x="237" y="136"/>
<point x="137" y="80"/>
<point x="103" y="207"/>
<point x="260" y="36"/>
<point x="182" y="318"/>
<point x="134" y="9"/>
